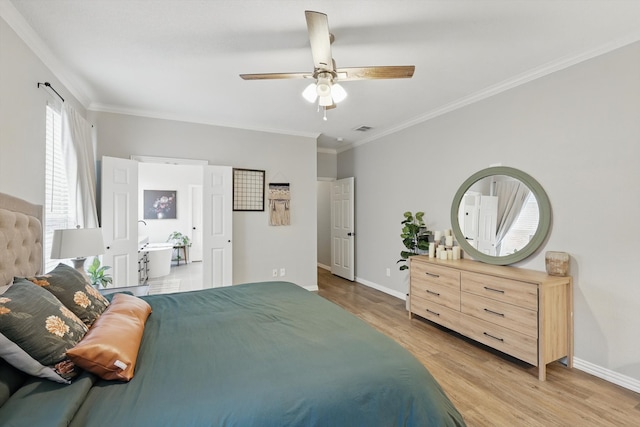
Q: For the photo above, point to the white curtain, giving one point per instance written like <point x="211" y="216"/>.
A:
<point x="512" y="196"/>
<point x="77" y="146"/>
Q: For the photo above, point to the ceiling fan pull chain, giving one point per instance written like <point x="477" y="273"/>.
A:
<point x="325" y="114"/>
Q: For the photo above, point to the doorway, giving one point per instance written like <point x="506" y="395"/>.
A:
<point x="124" y="222"/>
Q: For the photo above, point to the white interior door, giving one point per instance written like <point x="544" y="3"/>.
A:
<point x="487" y="225"/>
<point x="195" y="203"/>
<point x="119" y="219"/>
<point x="217" y="227"/>
<point x="342" y="228"/>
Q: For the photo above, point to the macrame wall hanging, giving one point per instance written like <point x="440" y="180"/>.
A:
<point x="279" y="204"/>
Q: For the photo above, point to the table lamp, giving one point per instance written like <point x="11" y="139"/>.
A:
<point x="76" y="244"/>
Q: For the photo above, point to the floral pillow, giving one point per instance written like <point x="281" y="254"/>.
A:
<point x="36" y="330"/>
<point x="71" y="288"/>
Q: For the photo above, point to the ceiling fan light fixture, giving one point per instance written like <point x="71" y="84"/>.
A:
<point x="325" y="101"/>
<point x="338" y="93"/>
<point x="323" y="88"/>
<point x="309" y="93"/>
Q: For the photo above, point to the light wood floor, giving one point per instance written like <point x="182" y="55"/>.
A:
<point x="489" y="388"/>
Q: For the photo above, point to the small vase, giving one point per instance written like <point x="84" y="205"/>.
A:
<point x="160" y="215"/>
<point x="557" y="263"/>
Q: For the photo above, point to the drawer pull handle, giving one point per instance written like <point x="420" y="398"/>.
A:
<point x="494" y="312"/>
<point x="432" y="312"/>
<point x="495" y="338"/>
<point x="500" y="291"/>
<point x="433" y="293"/>
<point x="432" y="275"/>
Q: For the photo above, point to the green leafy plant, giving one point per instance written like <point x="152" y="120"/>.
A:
<point x="415" y="236"/>
<point x="177" y="238"/>
<point x="97" y="274"/>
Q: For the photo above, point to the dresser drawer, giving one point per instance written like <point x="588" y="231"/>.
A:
<point x="514" y="292"/>
<point x="435" y="274"/>
<point x="509" y="316"/>
<point x="436" y="313"/>
<point x="435" y="292"/>
<point x="505" y="340"/>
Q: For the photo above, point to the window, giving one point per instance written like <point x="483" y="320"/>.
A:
<point x="57" y="213"/>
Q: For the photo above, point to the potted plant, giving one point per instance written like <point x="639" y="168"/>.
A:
<point x="97" y="274"/>
<point x="415" y="237"/>
<point x="179" y="239"/>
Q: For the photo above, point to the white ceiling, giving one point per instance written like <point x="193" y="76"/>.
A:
<point x="180" y="59"/>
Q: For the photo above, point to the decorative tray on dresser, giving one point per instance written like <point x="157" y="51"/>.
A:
<point x="524" y="313"/>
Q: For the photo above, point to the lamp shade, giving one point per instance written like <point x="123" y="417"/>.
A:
<point x="77" y="243"/>
<point x="338" y="93"/>
<point x="310" y="93"/>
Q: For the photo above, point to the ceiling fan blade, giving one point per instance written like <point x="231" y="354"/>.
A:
<point x="271" y="76"/>
<point x="318" y="28"/>
<point x="330" y="107"/>
<point x="383" y="72"/>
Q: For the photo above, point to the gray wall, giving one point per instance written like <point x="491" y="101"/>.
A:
<point x="327" y="165"/>
<point x="576" y="131"/>
<point x="22" y="116"/>
<point x="327" y="172"/>
<point x="324" y="224"/>
<point x="258" y="248"/>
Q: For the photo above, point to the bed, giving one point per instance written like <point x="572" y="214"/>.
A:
<point x="260" y="354"/>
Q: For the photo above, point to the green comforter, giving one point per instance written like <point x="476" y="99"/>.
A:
<point x="263" y="354"/>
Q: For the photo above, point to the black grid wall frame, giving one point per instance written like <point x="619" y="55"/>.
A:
<point x="248" y="190"/>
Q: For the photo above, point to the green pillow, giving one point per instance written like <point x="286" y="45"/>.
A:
<point x="72" y="289"/>
<point x="36" y="330"/>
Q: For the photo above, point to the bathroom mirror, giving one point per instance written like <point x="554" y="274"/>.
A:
<point x="500" y="215"/>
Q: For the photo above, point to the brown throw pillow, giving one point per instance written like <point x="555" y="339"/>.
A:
<point x="110" y="348"/>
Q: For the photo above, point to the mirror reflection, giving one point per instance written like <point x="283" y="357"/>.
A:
<point x="498" y="215"/>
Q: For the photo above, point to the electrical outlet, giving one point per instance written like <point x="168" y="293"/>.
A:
<point x="275" y="272"/>
<point x="282" y="272"/>
<point x="388" y="272"/>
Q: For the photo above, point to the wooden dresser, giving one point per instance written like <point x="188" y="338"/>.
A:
<point x="524" y="313"/>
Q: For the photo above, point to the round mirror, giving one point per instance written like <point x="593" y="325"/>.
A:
<point x="500" y="215"/>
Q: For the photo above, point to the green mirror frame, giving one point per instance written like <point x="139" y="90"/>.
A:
<point x="544" y="221"/>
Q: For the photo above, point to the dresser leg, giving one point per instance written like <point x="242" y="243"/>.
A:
<point x="542" y="372"/>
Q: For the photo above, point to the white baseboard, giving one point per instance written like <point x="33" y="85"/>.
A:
<point x="588" y="367"/>
<point x="392" y="292"/>
<point x="326" y="267"/>
<point x="607" y="374"/>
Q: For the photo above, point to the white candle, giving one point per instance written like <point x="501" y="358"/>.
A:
<point x="448" y="241"/>
<point x="432" y="250"/>
<point x="447" y="232"/>
<point x="438" y="236"/>
<point x="443" y="254"/>
<point x="456" y="252"/>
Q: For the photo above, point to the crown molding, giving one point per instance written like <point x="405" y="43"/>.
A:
<point x="526" y="77"/>
<point x="325" y="150"/>
<point x="104" y="108"/>
<point x="16" y="21"/>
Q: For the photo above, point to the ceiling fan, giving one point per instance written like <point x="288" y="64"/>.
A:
<point x="326" y="88"/>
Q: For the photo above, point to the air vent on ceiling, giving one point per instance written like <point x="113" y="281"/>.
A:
<point x="363" y="128"/>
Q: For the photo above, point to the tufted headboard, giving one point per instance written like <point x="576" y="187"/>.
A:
<point x="20" y="238"/>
